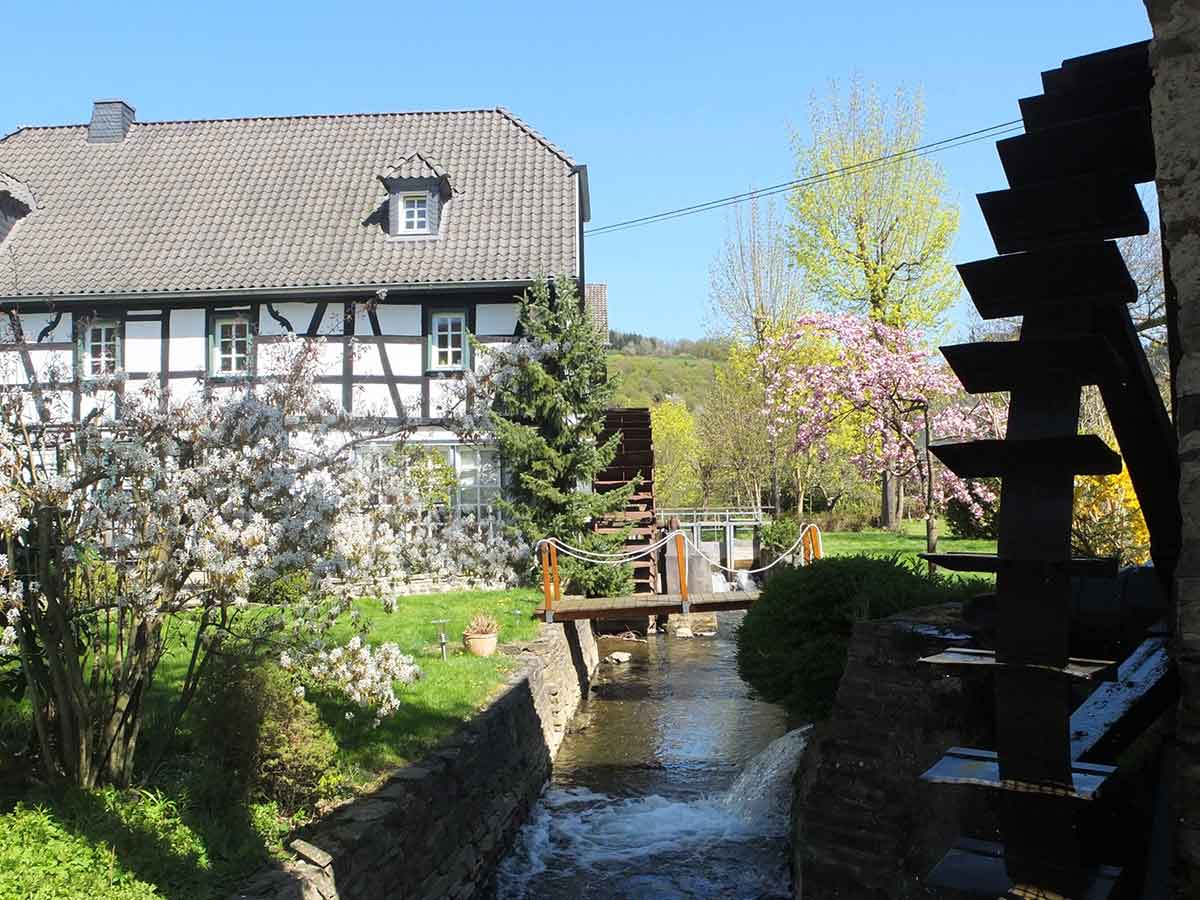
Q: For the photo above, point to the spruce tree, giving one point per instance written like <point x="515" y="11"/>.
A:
<point x="547" y="415"/>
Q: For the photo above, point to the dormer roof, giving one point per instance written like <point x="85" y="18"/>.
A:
<point x="17" y="190"/>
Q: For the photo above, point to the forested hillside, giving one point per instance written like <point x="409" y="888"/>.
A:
<point x="650" y="380"/>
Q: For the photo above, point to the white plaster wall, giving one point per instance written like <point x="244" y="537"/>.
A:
<point x="441" y="393"/>
<point x="410" y="398"/>
<point x="33" y="323"/>
<point x="296" y="313"/>
<point x="104" y="401"/>
<point x="496" y="318"/>
<point x="366" y="357"/>
<point x="143" y="346"/>
<point x="373" y="400"/>
<point x="51" y="364"/>
<point x="182" y="388"/>
<point x="331" y="322"/>
<point x="399" y="319"/>
<point x="406" y="359"/>
<point x="189" y="343"/>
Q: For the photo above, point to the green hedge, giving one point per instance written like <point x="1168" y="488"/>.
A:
<point x="792" y="643"/>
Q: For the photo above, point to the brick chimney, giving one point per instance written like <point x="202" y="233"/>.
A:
<point x="110" y="121"/>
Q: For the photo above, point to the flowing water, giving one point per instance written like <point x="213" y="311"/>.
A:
<point x="675" y="785"/>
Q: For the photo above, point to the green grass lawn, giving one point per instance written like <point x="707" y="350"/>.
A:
<point x="166" y="841"/>
<point x="908" y="541"/>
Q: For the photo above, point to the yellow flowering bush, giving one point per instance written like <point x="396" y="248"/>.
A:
<point x="1107" y="519"/>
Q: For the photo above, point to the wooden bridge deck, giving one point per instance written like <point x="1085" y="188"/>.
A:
<point x="642" y="605"/>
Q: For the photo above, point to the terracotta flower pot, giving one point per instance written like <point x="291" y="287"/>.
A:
<point x="480" y="644"/>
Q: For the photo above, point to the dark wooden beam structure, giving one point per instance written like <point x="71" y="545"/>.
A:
<point x="1072" y="179"/>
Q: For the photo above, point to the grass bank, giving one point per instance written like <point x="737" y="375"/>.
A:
<point x="908" y="542"/>
<point x="177" y="836"/>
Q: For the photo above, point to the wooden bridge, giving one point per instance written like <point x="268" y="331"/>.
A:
<point x="568" y="608"/>
<point x="556" y="607"/>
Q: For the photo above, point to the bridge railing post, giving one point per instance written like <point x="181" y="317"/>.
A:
<point x="681" y="562"/>
<point x="554" y="571"/>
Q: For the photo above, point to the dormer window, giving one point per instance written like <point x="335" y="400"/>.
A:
<point x="418" y="195"/>
<point x="416" y="214"/>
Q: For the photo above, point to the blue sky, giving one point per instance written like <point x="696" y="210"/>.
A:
<point x="668" y="103"/>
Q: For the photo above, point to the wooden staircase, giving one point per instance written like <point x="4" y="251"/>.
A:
<point x="635" y="457"/>
<point x="1072" y="179"/>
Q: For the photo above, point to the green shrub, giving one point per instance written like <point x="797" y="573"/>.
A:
<point x="791" y="646"/>
<point x="779" y="534"/>
<point x="596" y="579"/>
<point x="267" y="740"/>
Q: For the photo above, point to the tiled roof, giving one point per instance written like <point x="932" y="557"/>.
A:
<point x="16" y="190"/>
<point x="415" y="165"/>
<point x="595" y="304"/>
<point x="283" y="203"/>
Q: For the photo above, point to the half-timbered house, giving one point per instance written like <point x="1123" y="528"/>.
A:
<point x="178" y="250"/>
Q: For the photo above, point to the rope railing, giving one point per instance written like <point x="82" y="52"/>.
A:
<point x="808" y="542"/>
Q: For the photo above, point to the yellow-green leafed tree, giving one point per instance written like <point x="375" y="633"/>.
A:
<point x="676" y="455"/>
<point x="736" y="466"/>
<point x="876" y="238"/>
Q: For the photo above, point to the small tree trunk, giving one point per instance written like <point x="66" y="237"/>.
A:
<point x="887" y="509"/>
<point x="931" y="535"/>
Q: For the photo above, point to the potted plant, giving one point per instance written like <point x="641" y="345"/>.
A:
<point x="481" y="635"/>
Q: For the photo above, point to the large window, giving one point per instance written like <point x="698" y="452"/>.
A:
<point x="448" y="341"/>
<point x="416" y="214"/>
<point x="100" y="353"/>
<point x="478" y="481"/>
<point x="231" y="342"/>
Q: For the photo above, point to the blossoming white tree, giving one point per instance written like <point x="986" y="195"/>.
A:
<point x="163" y="524"/>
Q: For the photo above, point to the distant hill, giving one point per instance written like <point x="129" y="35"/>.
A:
<point x="647" y="380"/>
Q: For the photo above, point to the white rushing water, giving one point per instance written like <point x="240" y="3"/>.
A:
<point x="579" y="830"/>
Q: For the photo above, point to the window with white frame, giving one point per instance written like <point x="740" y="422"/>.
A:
<point x="416" y="214"/>
<point x="478" y="471"/>
<point x="231" y="343"/>
<point x="101" y="350"/>
<point x="448" y="341"/>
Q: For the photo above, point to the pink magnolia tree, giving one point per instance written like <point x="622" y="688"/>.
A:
<point x="832" y="370"/>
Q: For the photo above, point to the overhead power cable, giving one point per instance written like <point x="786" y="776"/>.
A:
<point x="959" y="140"/>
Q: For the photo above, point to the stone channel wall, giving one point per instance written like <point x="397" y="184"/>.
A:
<point x="865" y="827"/>
<point x="439" y="829"/>
<point x="1175" y="114"/>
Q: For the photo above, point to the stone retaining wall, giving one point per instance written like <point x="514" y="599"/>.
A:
<point x="439" y="829"/>
<point x="865" y="827"/>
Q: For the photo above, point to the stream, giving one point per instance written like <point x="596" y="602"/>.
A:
<point x="674" y="783"/>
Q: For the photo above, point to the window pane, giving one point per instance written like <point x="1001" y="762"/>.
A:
<point x="489" y="467"/>
<point x="456" y="357"/>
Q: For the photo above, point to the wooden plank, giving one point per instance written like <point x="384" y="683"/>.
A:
<point x="1143" y="679"/>
<point x="1118" y="144"/>
<point x="1088" y="567"/>
<point x="965" y="765"/>
<point x="1083" y="454"/>
<point x="979" y="867"/>
<point x="1079" y="668"/>
<point x="988" y="366"/>
<point x="1063" y="211"/>
<point x="1083" y="274"/>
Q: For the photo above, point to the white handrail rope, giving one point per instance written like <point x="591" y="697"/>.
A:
<point x="820" y="551"/>
<point x="597" y="556"/>
<point x="628" y="556"/>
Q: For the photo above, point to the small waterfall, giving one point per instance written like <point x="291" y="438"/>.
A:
<point x="762" y="793"/>
<point x="580" y="829"/>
